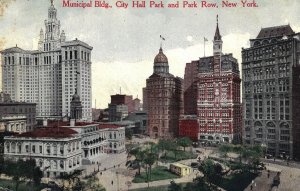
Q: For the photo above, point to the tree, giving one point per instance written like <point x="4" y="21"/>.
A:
<point x="37" y="175"/>
<point x="165" y="145"/>
<point x="198" y="184"/>
<point x="139" y="155"/>
<point x="128" y="133"/>
<point x="212" y="172"/>
<point x="149" y="160"/>
<point x="184" y="142"/>
<point x="22" y="171"/>
<point x="73" y="180"/>
<point x="173" y="146"/>
<point x="174" y="187"/>
<point x="17" y="171"/>
<point x="93" y="184"/>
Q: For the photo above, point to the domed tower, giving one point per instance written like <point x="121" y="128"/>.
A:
<point x="76" y="107"/>
<point x="163" y="99"/>
<point x="161" y="63"/>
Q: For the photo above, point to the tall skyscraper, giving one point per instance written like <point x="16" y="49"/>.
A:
<point x="217" y="86"/>
<point x="49" y="76"/>
<point x="271" y="91"/>
<point x="164" y="99"/>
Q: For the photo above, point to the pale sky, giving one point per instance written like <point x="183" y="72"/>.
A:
<point x="125" y="41"/>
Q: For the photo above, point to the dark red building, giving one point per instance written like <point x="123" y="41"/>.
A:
<point x="218" y="96"/>
<point x="121" y="99"/>
<point x="189" y="127"/>
<point x="164" y="100"/>
<point x="190" y="88"/>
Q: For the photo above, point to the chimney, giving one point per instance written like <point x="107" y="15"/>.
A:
<point x="65" y="118"/>
<point x="72" y="122"/>
<point x="45" y="122"/>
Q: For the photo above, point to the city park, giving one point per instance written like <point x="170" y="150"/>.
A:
<point x="147" y="161"/>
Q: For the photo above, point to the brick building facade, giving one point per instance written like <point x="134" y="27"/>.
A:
<point x="217" y="86"/>
<point x="189" y="127"/>
<point x="164" y="99"/>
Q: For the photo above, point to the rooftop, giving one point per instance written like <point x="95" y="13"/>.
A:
<point x="180" y="165"/>
<point x="109" y="126"/>
<point x="76" y="42"/>
<point x="49" y="132"/>
<point x="275" y="31"/>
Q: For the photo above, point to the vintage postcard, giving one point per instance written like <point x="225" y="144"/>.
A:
<point x="178" y="95"/>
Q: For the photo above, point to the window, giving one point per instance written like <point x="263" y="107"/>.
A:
<point x="75" y="54"/>
<point x="55" y="149"/>
<point x="61" y="164"/>
<point x="48" y="149"/>
<point x="33" y="148"/>
<point x="19" y="148"/>
<point x="41" y="149"/>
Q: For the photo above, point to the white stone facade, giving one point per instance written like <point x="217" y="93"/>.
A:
<point x="116" y="139"/>
<point x="93" y="142"/>
<point x="58" y="149"/>
<point x="49" y="76"/>
<point x="53" y="156"/>
<point x="13" y="123"/>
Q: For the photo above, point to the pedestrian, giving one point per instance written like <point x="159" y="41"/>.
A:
<point x="251" y="187"/>
<point x="112" y="182"/>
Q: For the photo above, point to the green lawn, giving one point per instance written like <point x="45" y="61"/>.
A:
<point x="180" y="155"/>
<point x="23" y="187"/>
<point x="158" y="173"/>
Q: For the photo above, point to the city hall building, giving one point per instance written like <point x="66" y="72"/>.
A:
<point x="63" y="146"/>
<point x="271" y="91"/>
<point x="49" y="76"/>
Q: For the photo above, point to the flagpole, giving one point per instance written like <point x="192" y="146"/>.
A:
<point x="204" y="45"/>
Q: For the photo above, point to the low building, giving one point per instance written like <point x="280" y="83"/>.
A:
<point x="189" y="127"/>
<point x="180" y="169"/>
<point x="96" y="114"/>
<point x="16" y="116"/>
<point x="55" y="150"/>
<point x="115" y="136"/>
<point x="13" y="123"/>
<point x="140" y="119"/>
<point x="117" y="112"/>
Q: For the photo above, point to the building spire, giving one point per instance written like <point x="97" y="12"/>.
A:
<point x="217" y="33"/>
<point x="51" y="2"/>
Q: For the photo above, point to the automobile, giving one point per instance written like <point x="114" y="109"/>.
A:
<point x="269" y="156"/>
<point x="194" y="164"/>
<point x="198" y="151"/>
<point x="51" y="183"/>
<point x="195" y="144"/>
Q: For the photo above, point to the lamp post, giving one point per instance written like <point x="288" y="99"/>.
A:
<point x="117" y="173"/>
